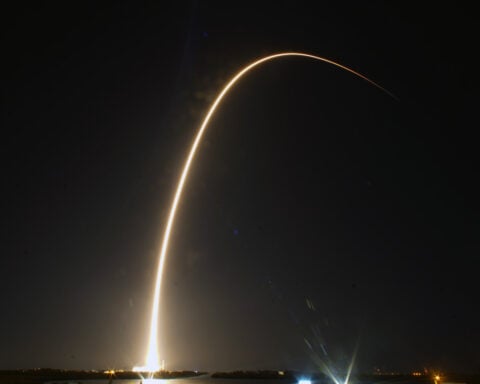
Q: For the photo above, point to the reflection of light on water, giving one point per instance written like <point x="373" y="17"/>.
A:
<point x="153" y="381"/>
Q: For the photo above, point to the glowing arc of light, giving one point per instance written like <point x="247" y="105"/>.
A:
<point x="153" y="360"/>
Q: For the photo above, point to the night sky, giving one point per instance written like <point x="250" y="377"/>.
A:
<point x="320" y="210"/>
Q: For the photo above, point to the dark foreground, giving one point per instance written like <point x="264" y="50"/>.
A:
<point x="40" y="376"/>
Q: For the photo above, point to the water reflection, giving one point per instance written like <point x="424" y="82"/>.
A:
<point x="153" y="381"/>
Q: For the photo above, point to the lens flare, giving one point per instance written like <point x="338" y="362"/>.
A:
<point x="152" y="363"/>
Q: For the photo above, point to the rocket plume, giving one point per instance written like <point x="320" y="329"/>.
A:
<point x="153" y="362"/>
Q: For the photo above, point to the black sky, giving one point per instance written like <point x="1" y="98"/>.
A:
<point x="311" y="186"/>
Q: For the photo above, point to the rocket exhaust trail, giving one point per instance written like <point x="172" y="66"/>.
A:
<point x="152" y="358"/>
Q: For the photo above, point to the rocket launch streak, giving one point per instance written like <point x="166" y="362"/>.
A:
<point x="152" y="358"/>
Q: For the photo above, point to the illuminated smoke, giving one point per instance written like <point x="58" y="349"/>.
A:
<point x="153" y="362"/>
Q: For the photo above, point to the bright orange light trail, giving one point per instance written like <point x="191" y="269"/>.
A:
<point x="152" y="359"/>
